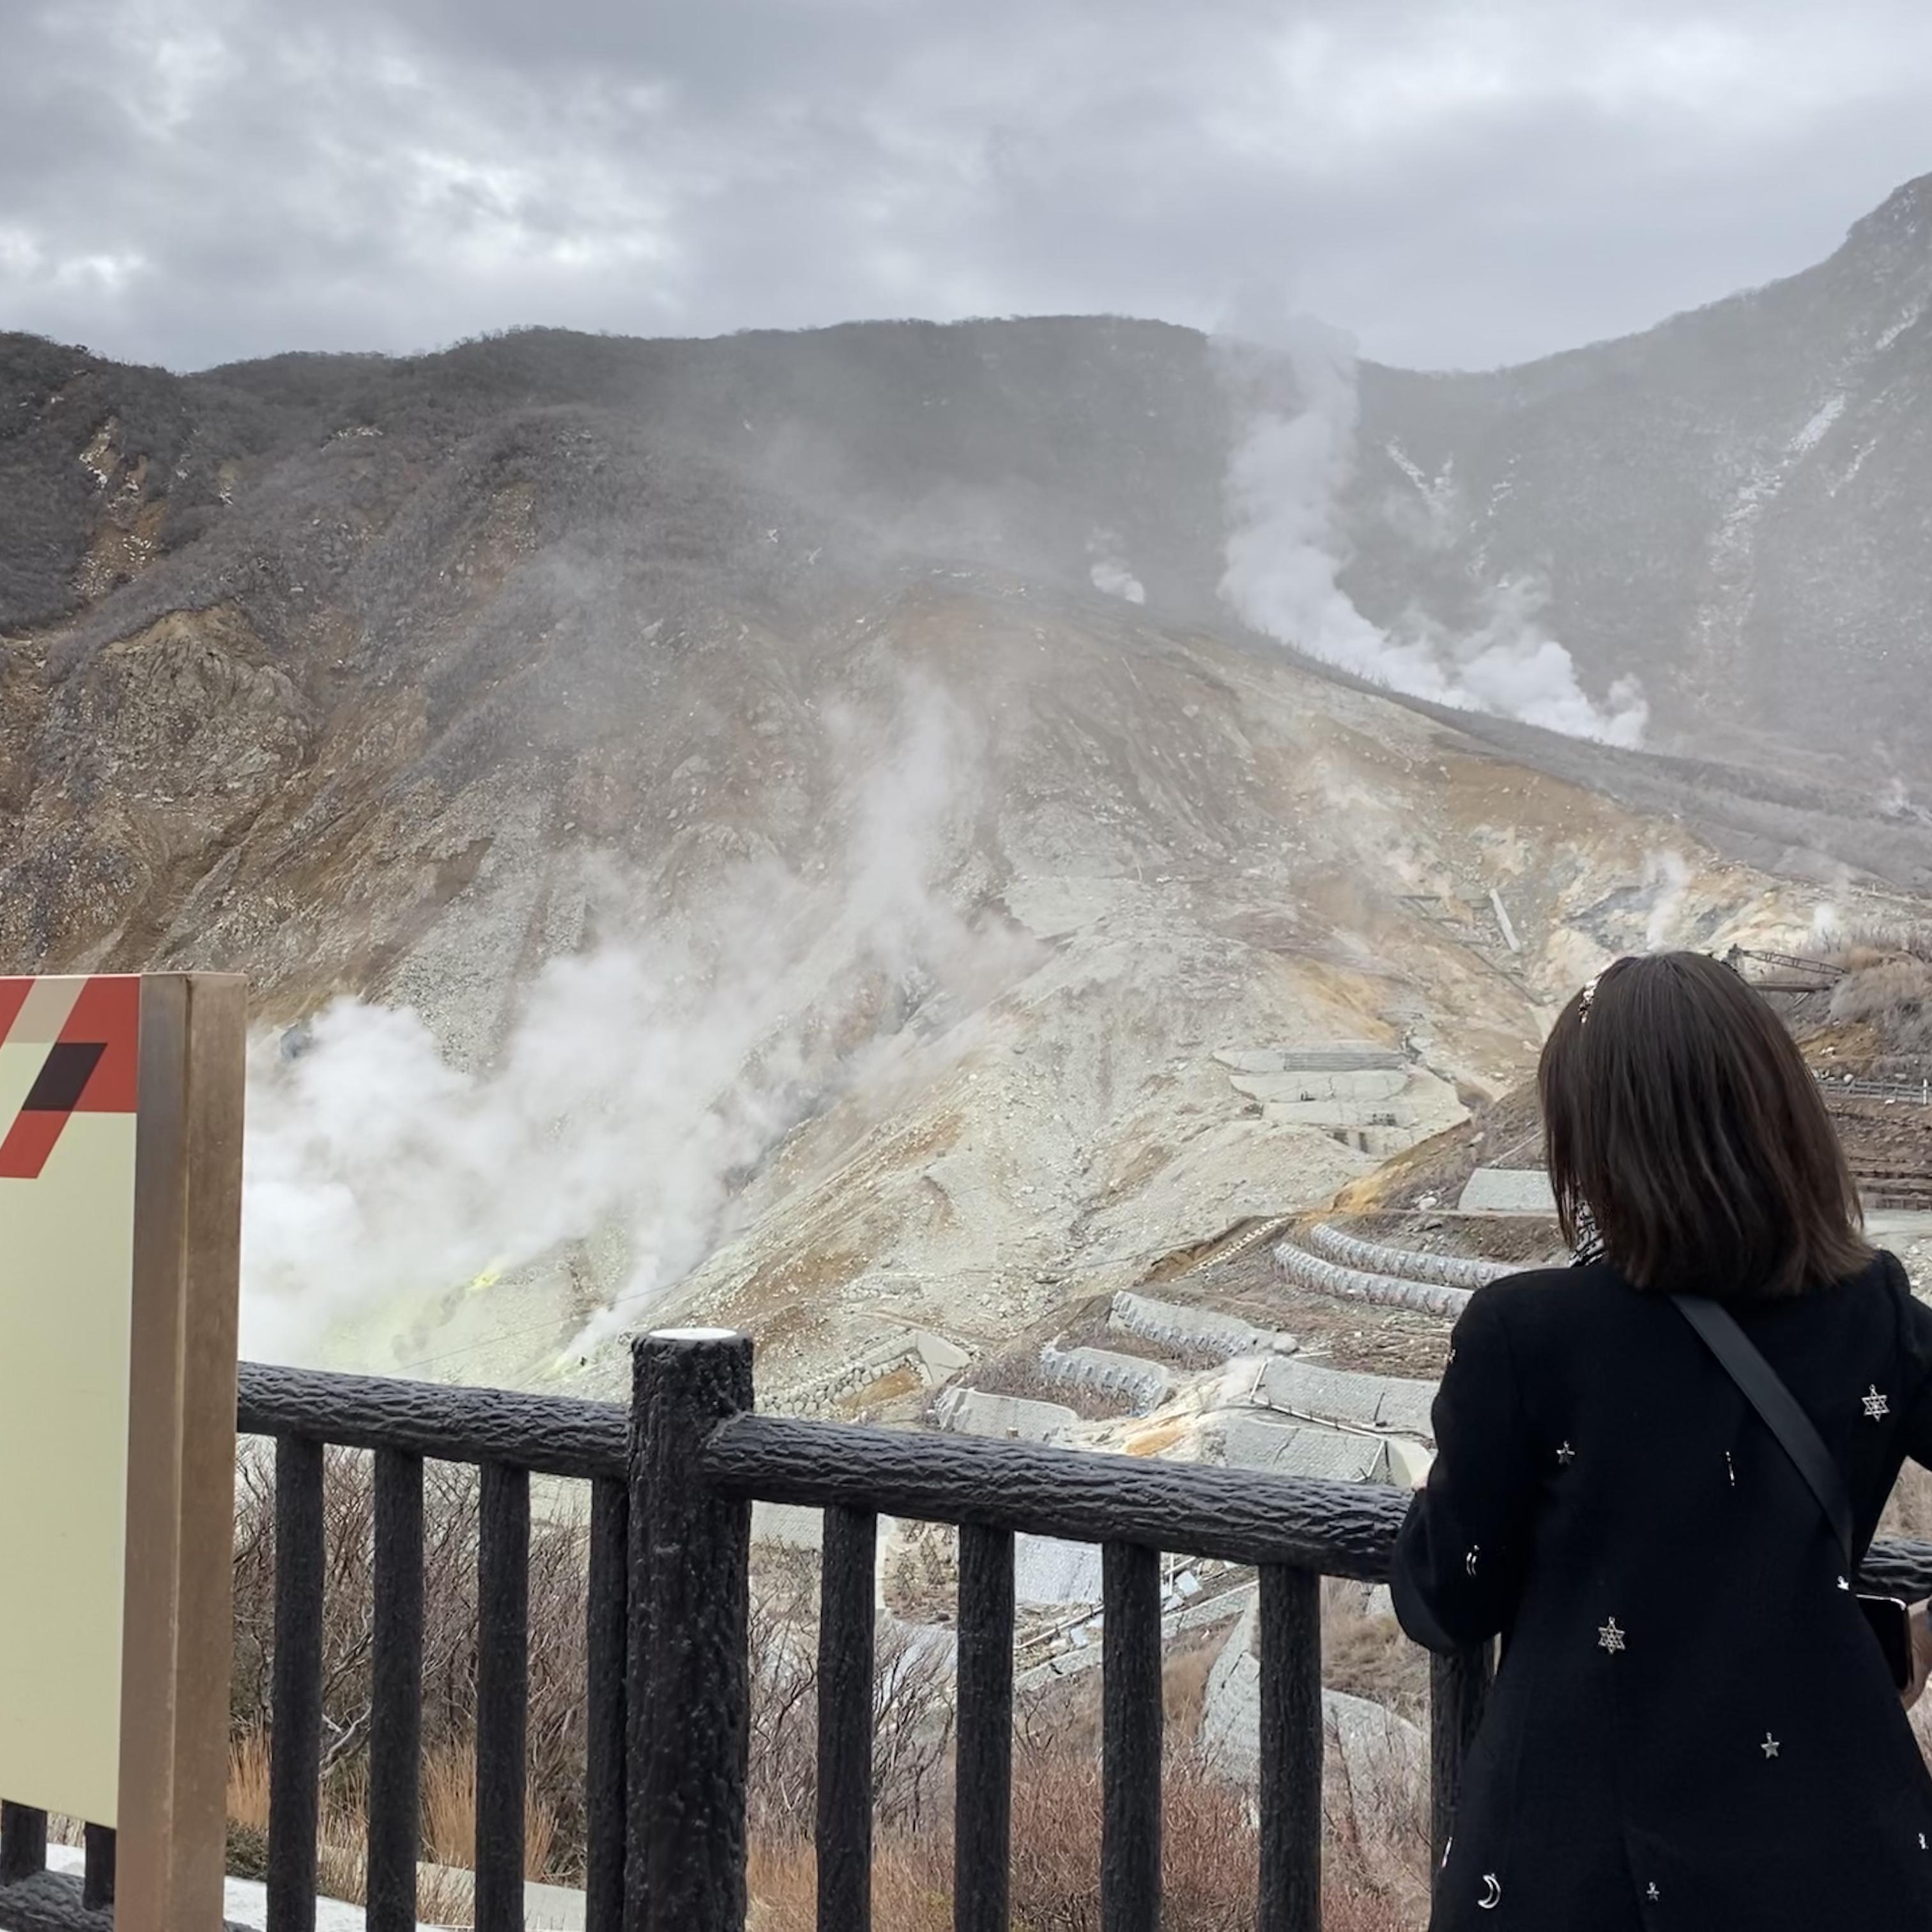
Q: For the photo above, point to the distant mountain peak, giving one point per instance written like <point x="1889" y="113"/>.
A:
<point x="1904" y="218"/>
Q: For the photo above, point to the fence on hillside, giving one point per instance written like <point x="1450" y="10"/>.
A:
<point x="672" y="1480"/>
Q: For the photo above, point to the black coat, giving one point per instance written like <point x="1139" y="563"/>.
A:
<point x="1693" y="1727"/>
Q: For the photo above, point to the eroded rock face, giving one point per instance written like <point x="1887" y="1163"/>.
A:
<point x="421" y="676"/>
<point x="136" y="776"/>
<point x="1376" y="1775"/>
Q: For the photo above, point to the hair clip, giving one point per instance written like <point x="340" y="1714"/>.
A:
<point x="1589" y="1242"/>
<point x="1586" y="999"/>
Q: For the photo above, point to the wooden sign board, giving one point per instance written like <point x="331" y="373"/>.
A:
<point x="120" y="1212"/>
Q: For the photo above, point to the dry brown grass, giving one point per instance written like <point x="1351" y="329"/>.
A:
<point x="1209" y="1863"/>
<point x="1368" y="1656"/>
<point x="1211" y="1854"/>
<point x="1893" y="997"/>
<point x="449" y="1808"/>
<point x="558" y="1581"/>
<point x="342" y="1850"/>
<point x="248" y="1779"/>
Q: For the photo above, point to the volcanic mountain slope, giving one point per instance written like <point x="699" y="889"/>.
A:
<point x="980" y="926"/>
<point x="1324" y="874"/>
<point x="826" y="907"/>
<point x="1730" y="505"/>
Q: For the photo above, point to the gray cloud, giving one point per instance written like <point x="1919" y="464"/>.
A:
<point x="190" y="180"/>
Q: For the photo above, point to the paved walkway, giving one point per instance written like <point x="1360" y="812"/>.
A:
<point x="546" y="1908"/>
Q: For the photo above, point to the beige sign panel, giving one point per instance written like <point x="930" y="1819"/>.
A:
<point x="67" y="1306"/>
<point x="120" y="1185"/>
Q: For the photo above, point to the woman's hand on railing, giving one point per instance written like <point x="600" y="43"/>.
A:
<point x="1921" y="1653"/>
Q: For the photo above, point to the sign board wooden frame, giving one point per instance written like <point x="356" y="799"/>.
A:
<point x="121" y="1108"/>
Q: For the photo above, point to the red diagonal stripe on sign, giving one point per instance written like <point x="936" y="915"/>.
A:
<point x="109" y="1013"/>
<point x="13" y="996"/>
<point x="29" y="1141"/>
<point x="93" y="1068"/>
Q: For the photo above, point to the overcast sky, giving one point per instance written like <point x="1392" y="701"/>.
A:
<point x="188" y="181"/>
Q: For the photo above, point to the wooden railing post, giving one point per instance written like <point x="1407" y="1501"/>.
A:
<point x="847" y="1615"/>
<point x="982" y="1805"/>
<point x="100" y="1850"/>
<point x="1292" y="1739"/>
<point x="1130" y="1746"/>
<point x="690" y="1580"/>
<point x="23" y="1842"/>
<point x="502" y="1694"/>
<point x="606" y="1731"/>
<point x="395" y="1695"/>
<point x="295" y="1763"/>
<point x="1458" y="1688"/>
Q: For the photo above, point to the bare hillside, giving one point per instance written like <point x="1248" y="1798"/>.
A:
<point x="1727" y="507"/>
<point x="783" y="827"/>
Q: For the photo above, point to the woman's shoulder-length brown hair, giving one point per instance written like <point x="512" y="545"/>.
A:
<point x="1678" y="1112"/>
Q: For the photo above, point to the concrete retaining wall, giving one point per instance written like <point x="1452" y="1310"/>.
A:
<point x="1377" y="1084"/>
<point x="788" y="1526"/>
<point x="1395" y="1404"/>
<point x="1145" y="1384"/>
<point x="1507" y="1190"/>
<point x="933" y="1356"/>
<point x="969" y="1411"/>
<point x="1378" y="1763"/>
<point x="1403" y="1263"/>
<point x="1046" y="1570"/>
<point x="1338" y="1114"/>
<point x="1247" y="1441"/>
<point x="1340" y="1056"/>
<point x="1176" y="1327"/>
<point x="1083" y="1649"/>
<point x="1327" y="1277"/>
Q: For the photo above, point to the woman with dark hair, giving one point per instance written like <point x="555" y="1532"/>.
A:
<point x="1694" y="1724"/>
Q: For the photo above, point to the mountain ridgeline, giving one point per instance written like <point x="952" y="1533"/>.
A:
<point x="794" y="815"/>
<point x="1730" y="506"/>
<point x="284" y="641"/>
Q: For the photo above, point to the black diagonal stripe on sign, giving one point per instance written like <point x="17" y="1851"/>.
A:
<point x="63" y="1079"/>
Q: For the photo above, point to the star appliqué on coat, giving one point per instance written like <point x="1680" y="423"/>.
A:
<point x="1609" y="1637"/>
<point x="1875" y="1404"/>
<point x="1650" y="1890"/>
<point x="1565" y="1454"/>
<point x="1769" y="1746"/>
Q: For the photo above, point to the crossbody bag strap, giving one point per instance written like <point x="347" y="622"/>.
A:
<point x="1764" y="1389"/>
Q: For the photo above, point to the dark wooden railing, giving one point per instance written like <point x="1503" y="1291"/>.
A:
<point x="672" y="1481"/>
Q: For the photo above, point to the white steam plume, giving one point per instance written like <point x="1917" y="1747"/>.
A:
<point x="1667" y="873"/>
<point x="1284" y="479"/>
<point x="1110" y="572"/>
<point x="641" y="1077"/>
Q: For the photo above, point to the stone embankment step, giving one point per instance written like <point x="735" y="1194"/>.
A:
<point x="1324" y="1277"/>
<point x="1405" y="1264"/>
<point x="1251" y="1439"/>
<point x="1145" y="1384"/>
<point x="1204" y="1330"/>
<point x="1342" y="1056"/>
<point x="1507" y="1190"/>
<point x="971" y="1411"/>
<point x="1346" y="1398"/>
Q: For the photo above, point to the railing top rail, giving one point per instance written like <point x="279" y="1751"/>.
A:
<point x="1084" y="1495"/>
<point x="552" y="1436"/>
